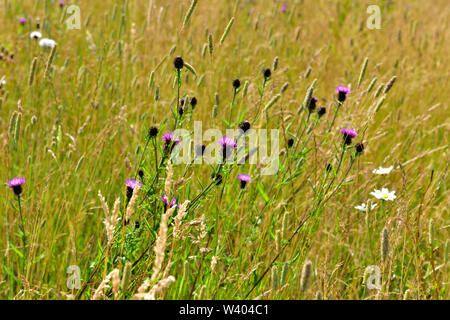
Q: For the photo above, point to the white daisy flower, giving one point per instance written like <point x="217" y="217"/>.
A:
<point x="362" y="207"/>
<point x="2" y="83"/>
<point x="384" y="194"/>
<point x="35" y="35"/>
<point x="382" y="170"/>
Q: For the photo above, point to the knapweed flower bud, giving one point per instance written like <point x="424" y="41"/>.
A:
<point x="193" y="102"/>
<point x="141" y="173"/>
<point x="244" y="126"/>
<point x="267" y="73"/>
<point x="218" y="179"/>
<point x="236" y="83"/>
<point x="290" y="142"/>
<point x="359" y="147"/>
<point x="200" y="150"/>
<point x="321" y="111"/>
<point x="312" y="104"/>
<point x="243" y="178"/>
<point x="348" y="134"/>
<point x="152" y="132"/>
<point x="178" y="62"/>
<point x="16" y="185"/>
<point x="137" y="224"/>
<point x="180" y="111"/>
<point x="131" y="186"/>
<point x="342" y="93"/>
<point x="329" y="167"/>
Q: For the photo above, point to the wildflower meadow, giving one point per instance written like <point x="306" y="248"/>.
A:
<point x="224" y="150"/>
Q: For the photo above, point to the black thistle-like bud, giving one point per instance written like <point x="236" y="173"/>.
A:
<point x="141" y="173"/>
<point x="244" y="126"/>
<point x="180" y="111"/>
<point x="312" y="104"/>
<point x="129" y="193"/>
<point x="329" y="167"/>
<point x="200" y="150"/>
<point x="193" y="102"/>
<point x="290" y="142"/>
<point x="17" y="190"/>
<point x="137" y="224"/>
<point x="152" y="132"/>
<point x="267" y="73"/>
<point x="178" y="62"/>
<point x="359" y="147"/>
<point x="321" y="111"/>
<point x="236" y="83"/>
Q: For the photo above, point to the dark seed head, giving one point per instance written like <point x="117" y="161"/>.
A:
<point x="193" y="102"/>
<point x="267" y="73"/>
<point x="312" y="104"/>
<point x="243" y="184"/>
<point x="152" y="132"/>
<point x="182" y="101"/>
<point x="218" y="179"/>
<point x="200" y="149"/>
<point x="180" y="111"/>
<point x="236" y="83"/>
<point x="347" y="140"/>
<point x="244" y="126"/>
<point x="359" y="147"/>
<point x="129" y="193"/>
<point x="290" y="142"/>
<point x="321" y="111"/>
<point x="178" y="63"/>
<point x="329" y="167"/>
<point x="141" y="174"/>
<point x="137" y="224"/>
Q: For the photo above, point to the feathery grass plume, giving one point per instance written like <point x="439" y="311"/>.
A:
<point x="160" y="243"/>
<point x="275" y="63"/>
<point x="151" y="79"/>
<point x="284" y="224"/>
<point x="17" y="127"/>
<point x="430" y="232"/>
<point x="131" y="205"/>
<point x="308" y="96"/>
<point x="126" y="277"/>
<point x="168" y="182"/>
<point x="211" y="44"/>
<point x="200" y="80"/>
<point x="380" y="88"/>
<point x="189" y="12"/>
<point x="284" y="87"/>
<point x="307" y="73"/>
<point x="112" y="220"/>
<point x="216" y="95"/>
<point x="49" y="62"/>
<point x="157" y="94"/>
<point x="272" y="102"/>
<point x="99" y="293"/>
<point x="384" y="244"/>
<point x="115" y="277"/>
<point x="214" y="260"/>
<point x="246" y="84"/>
<point x="284" y="272"/>
<point x="179" y="219"/>
<point x="12" y="122"/>
<point x="278" y="238"/>
<point x="104" y="204"/>
<point x="306" y="276"/>
<point x="227" y="30"/>
<point x="275" y="279"/>
<point x="204" y="49"/>
<point x="319" y="295"/>
<point x="32" y="71"/>
<point x="372" y="84"/>
<point x="158" y="288"/>
<point x="190" y="68"/>
<point x="389" y="84"/>
<point x="363" y="71"/>
<point x="379" y="103"/>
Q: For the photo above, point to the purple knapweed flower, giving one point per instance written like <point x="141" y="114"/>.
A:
<point x="16" y="185"/>
<point x="228" y="144"/>
<point x="168" y="138"/>
<point x="348" y="135"/>
<point x="131" y="186"/>
<point x="284" y="8"/>
<point x="244" y="179"/>
<point x="342" y="93"/>
<point x="61" y="3"/>
<point x="166" y="202"/>
<point x="22" y="20"/>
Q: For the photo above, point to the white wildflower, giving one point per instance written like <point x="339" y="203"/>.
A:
<point x="384" y="194"/>
<point x="382" y="170"/>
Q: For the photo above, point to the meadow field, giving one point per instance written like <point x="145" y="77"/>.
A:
<point x="320" y="170"/>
